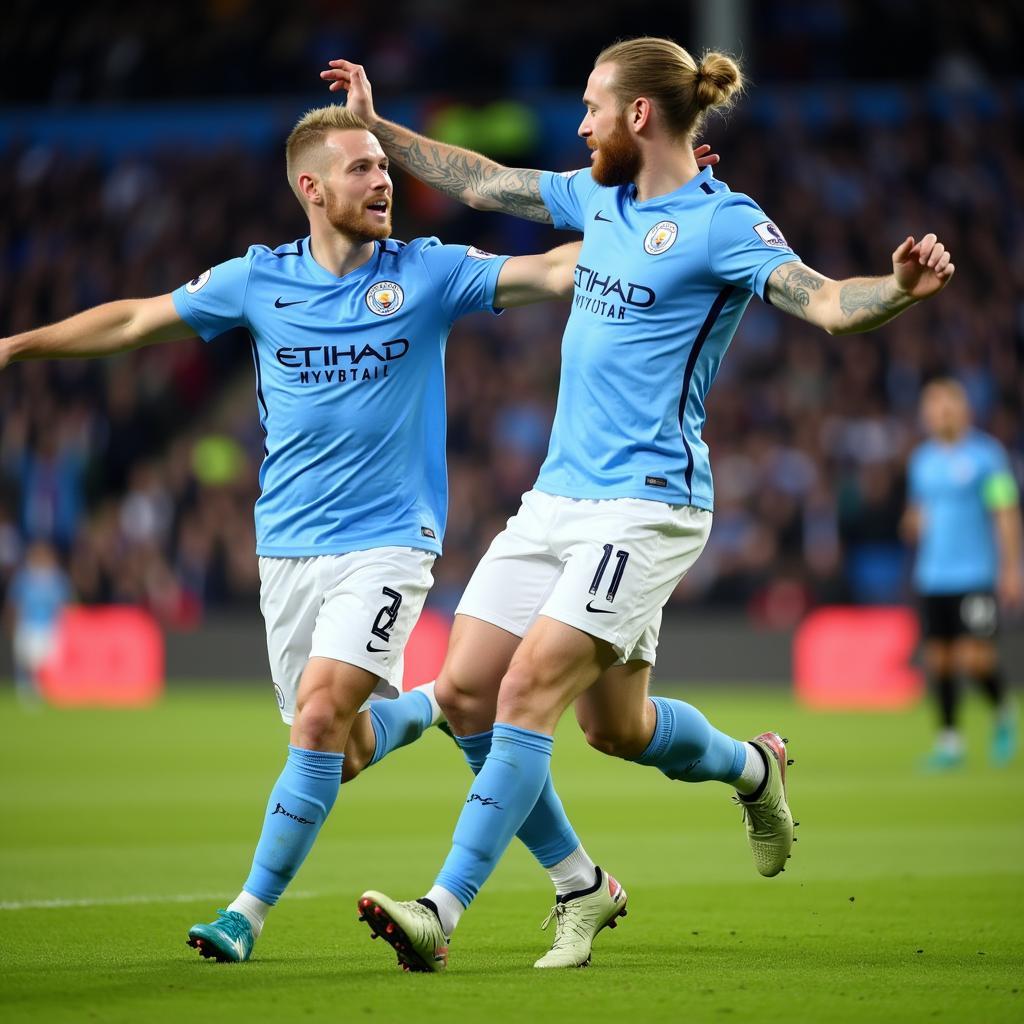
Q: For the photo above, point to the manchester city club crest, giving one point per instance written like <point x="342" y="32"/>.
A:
<point x="385" y="298"/>
<point x="661" y="237"/>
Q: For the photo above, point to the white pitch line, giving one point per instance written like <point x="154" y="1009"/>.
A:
<point x="130" y="901"/>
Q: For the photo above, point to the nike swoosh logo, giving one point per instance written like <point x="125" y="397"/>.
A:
<point x="598" y="611"/>
<point x="375" y="650"/>
<point x="597" y="216"/>
<point x="281" y="305"/>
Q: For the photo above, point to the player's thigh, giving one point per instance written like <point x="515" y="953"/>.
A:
<point x="622" y="560"/>
<point x="356" y="608"/>
<point x="371" y="602"/>
<point x="551" y="667"/>
<point x="290" y="599"/>
<point x="518" y="571"/>
<point x="938" y="656"/>
<point x="479" y="654"/>
<point x="615" y="715"/>
<point x="975" y="656"/>
<point x="330" y="696"/>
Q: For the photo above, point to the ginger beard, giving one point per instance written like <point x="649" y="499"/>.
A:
<point x="618" y="158"/>
<point x="355" y="219"/>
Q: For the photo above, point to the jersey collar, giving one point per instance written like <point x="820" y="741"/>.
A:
<point x="371" y="266"/>
<point x="670" y="197"/>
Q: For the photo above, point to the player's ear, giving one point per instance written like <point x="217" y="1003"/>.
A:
<point x="638" y="114"/>
<point x="309" y="186"/>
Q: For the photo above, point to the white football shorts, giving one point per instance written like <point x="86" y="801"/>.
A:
<point x="604" y="566"/>
<point x="359" y="607"/>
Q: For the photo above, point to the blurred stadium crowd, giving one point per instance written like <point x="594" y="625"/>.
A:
<point x="141" y="471"/>
<point x="197" y="48"/>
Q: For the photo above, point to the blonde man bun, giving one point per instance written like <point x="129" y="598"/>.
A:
<point x="680" y="88"/>
<point x="717" y="80"/>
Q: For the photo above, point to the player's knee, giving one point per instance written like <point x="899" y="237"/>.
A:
<point x="466" y="704"/>
<point x="452" y="695"/>
<point x="527" y="693"/>
<point x="319" y="721"/>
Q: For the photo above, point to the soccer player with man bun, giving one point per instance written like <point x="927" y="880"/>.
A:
<point x="565" y="606"/>
<point x="348" y="331"/>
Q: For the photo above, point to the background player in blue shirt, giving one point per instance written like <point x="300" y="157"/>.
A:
<point x="39" y="592"/>
<point x="348" y="332"/>
<point x="566" y="604"/>
<point x="964" y="515"/>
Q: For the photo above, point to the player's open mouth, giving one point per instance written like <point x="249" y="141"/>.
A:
<point x="381" y="207"/>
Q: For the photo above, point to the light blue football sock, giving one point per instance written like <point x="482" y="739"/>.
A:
<point x="502" y="796"/>
<point x="299" y="804"/>
<point x="546" y="833"/>
<point x="398" y="722"/>
<point x="687" y="747"/>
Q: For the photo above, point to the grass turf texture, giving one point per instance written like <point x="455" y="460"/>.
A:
<point x="903" y="901"/>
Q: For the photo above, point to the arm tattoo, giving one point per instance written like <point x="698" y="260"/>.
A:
<point x="459" y="172"/>
<point x="868" y="299"/>
<point x="790" y="287"/>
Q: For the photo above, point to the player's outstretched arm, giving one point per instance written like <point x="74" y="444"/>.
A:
<point x="460" y="173"/>
<point x="100" y="331"/>
<point x="920" y="270"/>
<point x="549" y="275"/>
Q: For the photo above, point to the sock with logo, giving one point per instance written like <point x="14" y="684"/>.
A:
<point x="402" y="720"/>
<point x="685" y="746"/>
<point x="500" y="800"/>
<point x="546" y="832"/>
<point x="299" y="804"/>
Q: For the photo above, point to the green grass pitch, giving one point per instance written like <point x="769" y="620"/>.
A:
<point x="903" y="902"/>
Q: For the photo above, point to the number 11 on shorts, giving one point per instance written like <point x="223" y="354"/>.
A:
<point x="621" y="558"/>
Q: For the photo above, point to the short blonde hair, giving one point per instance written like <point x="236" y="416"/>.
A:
<point x="309" y="134"/>
<point x="665" y="73"/>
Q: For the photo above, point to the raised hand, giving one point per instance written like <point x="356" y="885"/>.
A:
<point x="343" y="74"/>
<point x="704" y="157"/>
<point x="923" y="268"/>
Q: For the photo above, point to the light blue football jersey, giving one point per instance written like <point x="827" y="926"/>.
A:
<point x="957" y="550"/>
<point x="350" y="386"/>
<point x="660" y="289"/>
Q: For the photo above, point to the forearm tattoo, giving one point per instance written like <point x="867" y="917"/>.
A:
<point x="456" y="172"/>
<point x="791" y="287"/>
<point x="869" y="300"/>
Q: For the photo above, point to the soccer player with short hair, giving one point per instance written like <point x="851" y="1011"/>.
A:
<point x="348" y="330"/>
<point x="566" y="604"/>
<point x="963" y="513"/>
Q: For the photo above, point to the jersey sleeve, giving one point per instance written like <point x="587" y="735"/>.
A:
<point x="566" y="196"/>
<point x="999" y="488"/>
<point x="465" y="277"/>
<point x="744" y="246"/>
<point x="214" y="302"/>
